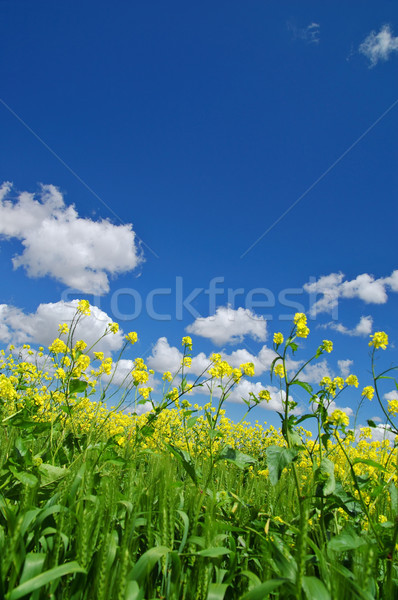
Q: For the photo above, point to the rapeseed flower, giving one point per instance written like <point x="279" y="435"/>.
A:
<point x="368" y="392"/>
<point x="379" y="340"/>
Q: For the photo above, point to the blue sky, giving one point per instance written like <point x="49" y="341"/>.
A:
<point x="192" y="147"/>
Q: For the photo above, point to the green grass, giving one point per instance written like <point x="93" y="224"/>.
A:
<point x="101" y="522"/>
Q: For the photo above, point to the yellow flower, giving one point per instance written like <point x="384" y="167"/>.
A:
<point x="60" y="373"/>
<point x="300" y="319"/>
<point x="264" y="395"/>
<point x="84" y="307"/>
<point x="145" y="392"/>
<point x="99" y="355"/>
<point x="113" y="327"/>
<point x="139" y="376"/>
<point x="393" y="407"/>
<point x="63" y="328"/>
<point x="167" y="376"/>
<point x="279" y="370"/>
<point x="187" y="361"/>
<point x="368" y="392"/>
<point x="58" y="346"/>
<point x="338" y="417"/>
<point x="352" y="380"/>
<point x="132" y="337"/>
<point x="278" y="339"/>
<point x="379" y="340"/>
<point x="187" y="341"/>
<point x="302" y="331"/>
<point x="80" y="346"/>
<point x="248" y="369"/>
<point x="106" y="366"/>
<point x="339" y="381"/>
<point x="237" y="375"/>
<point x="327" y="345"/>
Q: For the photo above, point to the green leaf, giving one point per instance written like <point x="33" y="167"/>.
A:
<point x="146" y="563"/>
<point x="324" y="477"/>
<point x="214" y="552"/>
<point x="369" y="462"/>
<point x="239" y="459"/>
<point x="303" y="384"/>
<point x="24" y="477"/>
<point x="33" y="565"/>
<point x="293" y="346"/>
<point x="217" y="591"/>
<point x="77" y="386"/>
<point x="258" y="593"/>
<point x="44" y="579"/>
<point x="133" y="591"/>
<point x="186" y="461"/>
<point x="277" y="459"/>
<point x="348" y="540"/>
<point x="371" y="423"/>
<point x="314" y="588"/>
<point x="49" y="473"/>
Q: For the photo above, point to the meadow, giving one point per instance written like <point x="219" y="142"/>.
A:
<point x="180" y="502"/>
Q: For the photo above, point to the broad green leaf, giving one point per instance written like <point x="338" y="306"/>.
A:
<point x="306" y="386"/>
<point x="77" y="386"/>
<point x="44" y="579"/>
<point x="348" y="540"/>
<point x="24" y="477"/>
<point x="146" y="563"/>
<point x="214" y="552"/>
<point x="260" y="591"/>
<point x="277" y="459"/>
<point x="239" y="459"/>
<point x="371" y="423"/>
<point x="33" y="565"/>
<point x="217" y="591"/>
<point x="50" y="473"/>
<point x="185" y="521"/>
<point x="315" y="588"/>
<point x="186" y="461"/>
<point x="133" y="591"/>
<point x="324" y="477"/>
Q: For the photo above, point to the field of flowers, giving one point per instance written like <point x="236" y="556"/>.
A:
<point x="180" y="502"/>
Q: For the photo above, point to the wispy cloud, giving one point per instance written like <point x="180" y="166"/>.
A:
<point x="309" y="34"/>
<point x="78" y="252"/>
<point x="365" y="287"/>
<point x="363" y="328"/>
<point x="379" y="46"/>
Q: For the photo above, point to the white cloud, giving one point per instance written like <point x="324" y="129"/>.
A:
<point x="378" y="46"/>
<point x="246" y="387"/>
<point x="164" y="357"/>
<point x="309" y="34"/>
<point x="314" y="372"/>
<point x="345" y="366"/>
<point x="41" y="327"/>
<point x="393" y="395"/>
<point x="333" y="406"/>
<point x="230" y="326"/>
<point x="365" y="287"/>
<point x="363" y="328"/>
<point x="78" y="252"/>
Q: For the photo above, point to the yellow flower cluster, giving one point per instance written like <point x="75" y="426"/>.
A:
<point x="187" y="341"/>
<point x="379" y="340"/>
<point x="300" y="320"/>
<point x="368" y="392"/>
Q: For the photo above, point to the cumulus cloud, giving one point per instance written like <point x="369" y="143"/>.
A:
<point x="379" y="46"/>
<point x="309" y="34"/>
<point x="78" y="252"/>
<point x="230" y="326"/>
<point x="345" y="366"/>
<point x="393" y="395"/>
<point x="243" y="390"/>
<point x="363" y="328"/>
<point x="365" y="287"/>
<point x="41" y="327"/>
<point x="314" y="372"/>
